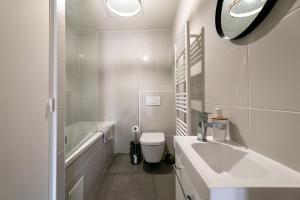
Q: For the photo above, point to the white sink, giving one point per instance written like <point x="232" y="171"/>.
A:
<point x="229" y="172"/>
<point x="227" y="160"/>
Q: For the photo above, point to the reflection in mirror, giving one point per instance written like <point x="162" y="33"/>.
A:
<point x="237" y="18"/>
<point x="246" y="8"/>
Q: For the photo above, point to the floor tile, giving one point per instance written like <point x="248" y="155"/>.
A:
<point x="164" y="186"/>
<point x="124" y="181"/>
<point x="121" y="164"/>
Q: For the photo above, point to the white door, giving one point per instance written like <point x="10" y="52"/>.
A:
<point x="24" y="93"/>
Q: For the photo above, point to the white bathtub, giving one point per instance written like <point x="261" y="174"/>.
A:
<point x="88" y="155"/>
<point x="81" y="136"/>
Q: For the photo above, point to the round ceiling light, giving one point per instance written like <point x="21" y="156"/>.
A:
<point x="124" y="8"/>
<point x="246" y="8"/>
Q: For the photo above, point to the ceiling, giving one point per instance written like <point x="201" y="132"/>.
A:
<point x="156" y="14"/>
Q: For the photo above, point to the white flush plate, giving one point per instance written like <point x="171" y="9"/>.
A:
<point x="152" y="100"/>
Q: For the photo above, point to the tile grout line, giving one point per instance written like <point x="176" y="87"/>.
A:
<point x="258" y="109"/>
<point x="249" y="97"/>
<point x="291" y="12"/>
<point x="154" y="187"/>
<point x="227" y="106"/>
<point x="275" y="110"/>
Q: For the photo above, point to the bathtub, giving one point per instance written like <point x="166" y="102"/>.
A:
<point x="80" y="136"/>
<point x="87" y="155"/>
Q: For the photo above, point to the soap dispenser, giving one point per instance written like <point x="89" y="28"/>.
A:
<point x="220" y="124"/>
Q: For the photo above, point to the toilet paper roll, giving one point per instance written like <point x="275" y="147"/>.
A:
<point x="135" y="129"/>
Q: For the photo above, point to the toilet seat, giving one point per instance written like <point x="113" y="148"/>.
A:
<point x="152" y="138"/>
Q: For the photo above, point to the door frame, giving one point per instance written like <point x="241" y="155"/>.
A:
<point x="53" y="74"/>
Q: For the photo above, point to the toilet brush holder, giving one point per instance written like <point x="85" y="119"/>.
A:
<point x="135" y="146"/>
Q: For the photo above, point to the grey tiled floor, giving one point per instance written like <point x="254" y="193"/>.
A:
<point x="124" y="181"/>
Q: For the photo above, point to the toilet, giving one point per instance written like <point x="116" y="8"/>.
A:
<point x="153" y="145"/>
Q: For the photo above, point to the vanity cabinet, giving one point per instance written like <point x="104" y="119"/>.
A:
<point x="226" y="171"/>
<point x="184" y="188"/>
<point x="179" y="192"/>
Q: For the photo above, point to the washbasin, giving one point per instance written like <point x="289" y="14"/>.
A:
<point x="228" y="171"/>
<point x="228" y="160"/>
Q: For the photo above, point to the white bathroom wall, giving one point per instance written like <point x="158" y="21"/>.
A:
<point x="256" y="79"/>
<point x="24" y="94"/>
<point x="131" y="61"/>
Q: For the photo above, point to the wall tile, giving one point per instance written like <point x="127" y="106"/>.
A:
<point x="72" y="82"/>
<point x="281" y="10"/>
<point x="238" y="123"/>
<point x="296" y="5"/>
<point x="157" y="118"/>
<point x="274" y="67"/>
<point x="215" y="46"/>
<point x="276" y="135"/>
<point x="266" y="76"/>
<point x="81" y="84"/>
<point x="121" y="107"/>
<point x="162" y="76"/>
<point x="226" y="79"/>
<point x="291" y="5"/>
<point x="125" y="72"/>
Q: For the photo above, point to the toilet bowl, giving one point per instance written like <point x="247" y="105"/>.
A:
<point x="153" y="145"/>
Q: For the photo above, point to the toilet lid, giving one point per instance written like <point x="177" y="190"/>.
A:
<point x="152" y="138"/>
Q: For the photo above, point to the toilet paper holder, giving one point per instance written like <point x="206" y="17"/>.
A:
<point x="135" y="130"/>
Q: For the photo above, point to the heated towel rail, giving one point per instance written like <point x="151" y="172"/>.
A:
<point x="185" y="57"/>
<point x="182" y="82"/>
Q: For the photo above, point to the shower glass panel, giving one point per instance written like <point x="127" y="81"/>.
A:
<point x="81" y="76"/>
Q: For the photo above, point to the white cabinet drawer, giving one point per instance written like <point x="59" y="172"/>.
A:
<point x="184" y="188"/>
<point x="189" y="190"/>
<point x="179" y="192"/>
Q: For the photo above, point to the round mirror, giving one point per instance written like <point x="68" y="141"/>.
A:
<point x="237" y="18"/>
